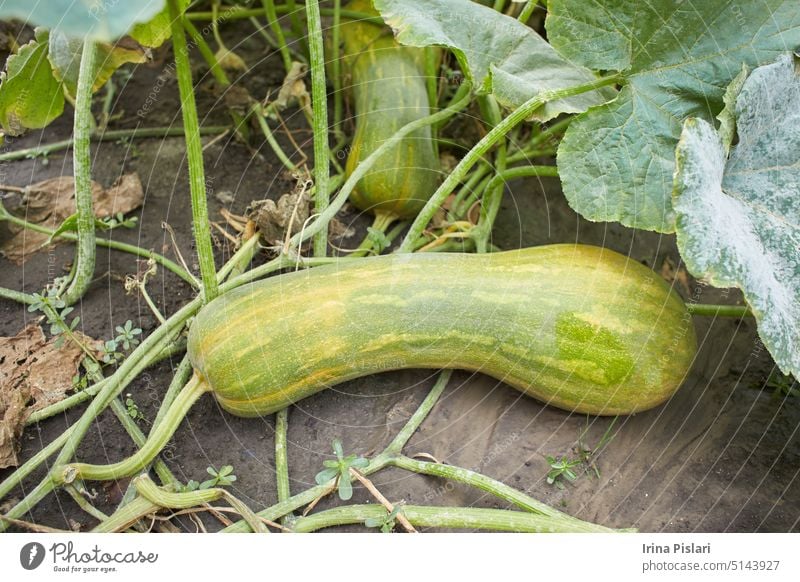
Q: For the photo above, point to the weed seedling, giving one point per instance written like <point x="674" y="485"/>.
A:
<point x="340" y="469"/>
<point x="385" y="523"/>
<point x="222" y="478"/>
<point x="561" y="469"/>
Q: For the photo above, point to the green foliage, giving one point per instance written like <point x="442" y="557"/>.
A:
<point x="103" y="20"/>
<point x="127" y="335"/>
<point x="617" y="160"/>
<point x="784" y="384"/>
<point x="739" y="210"/>
<point x="30" y="97"/>
<point x="386" y="523"/>
<point x="379" y="240"/>
<point x="560" y="470"/>
<point x="222" y="478"/>
<point x="70" y="224"/>
<point x="132" y="408"/>
<point x="65" y="57"/>
<point x="126" y="339"/>
<point x="55" y="310"/>
<point x="499" y="54"/>
<point x="339" y="469"/>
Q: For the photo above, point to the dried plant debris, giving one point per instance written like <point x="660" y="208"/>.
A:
<point x="293" y="90"/>
<point x="50" y="202"/>
<point x="274" y="220"/>
<point x="34" y="373"/>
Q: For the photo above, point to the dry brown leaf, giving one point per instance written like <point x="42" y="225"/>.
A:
<point x="338" y="229"/>
<point x="34" y="373"/>
<point x="52" y="201"/>
<point x="294" y="88"/>
<point x="273" y="220"/>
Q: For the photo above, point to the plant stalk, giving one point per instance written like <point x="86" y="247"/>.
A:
<point x="497" y="133"/>
<point x="319" y="99"/>
<point x="194" y="153"/>
<point x="83" y="268"/>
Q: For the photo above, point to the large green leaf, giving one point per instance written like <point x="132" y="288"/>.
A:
<point x="65" y="57"/>
<point x="498" y="53"/>
<point x="104" y="20"/>
<point x="738" y="218"/>
<point x="616" y="161"/>
<point x="158" y="29"/>
<point x="30" y="97"/>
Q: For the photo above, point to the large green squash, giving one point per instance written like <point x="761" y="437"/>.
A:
<point x="578" y="327"/>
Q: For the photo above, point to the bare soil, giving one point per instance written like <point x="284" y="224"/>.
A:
<point x="722" y="455"/>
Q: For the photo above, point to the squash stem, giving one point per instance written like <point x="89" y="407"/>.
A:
<point x="275" y="26"/>
<point x="497" y="133"/>
<point x="471" y="518"/>
<point x="526" y="11"/>
<point x="422" y="412"/>
<point x="704" y="309"/>
<point x="155" y="442"/>
<point x="379" y="227"/>
<point x="83" y="269"/>
<point x="109" y="135"/>
<point x="493" y="194"/>
<point x="319" y="98"/>
<point x="282" y="459"/>
<point x="194" y="153"/>
<point x="101" y="242"/>
<point x="186" y="499"/>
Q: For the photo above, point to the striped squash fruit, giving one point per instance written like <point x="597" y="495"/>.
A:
<point x="578" y="327"/>
<point x="386" y="82"/>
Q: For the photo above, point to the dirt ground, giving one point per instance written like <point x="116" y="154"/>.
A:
<point x="722" y="456"/>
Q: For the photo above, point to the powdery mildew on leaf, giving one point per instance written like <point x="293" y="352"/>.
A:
<point x="499" y="54"/>
<point x="617" y="160"/>
<point x="738" y="220"/>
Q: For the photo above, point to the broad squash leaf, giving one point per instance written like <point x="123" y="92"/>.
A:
<point x="157" y="30"/>
<point x="499" y="54"/>
<point x="30" y="97"/>
<point x="65" y="57"/>
<point x="617" y="160"/>
<point x="103" y="20"/>
<point x="738" y="216"/>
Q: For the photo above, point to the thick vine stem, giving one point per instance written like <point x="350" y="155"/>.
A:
<point x="194" y="153"/>
<point x="282" y="458"/>
<point x="703" y="309"/>
<point x="83" y="267"/>
<point x="470" y="518"/>
<point x="102" y="242"/>
<point x="87" y="393"/>
<point x="155" y="442"/>
<point x="319" y="98"/>
<point x="107" y="135"/>
<point x="493" y="194"/>
<point x="239" y="13"/>
<point x="497" y="133"/>
<point x="183" y="500"/>
<point x="479" y="481"/>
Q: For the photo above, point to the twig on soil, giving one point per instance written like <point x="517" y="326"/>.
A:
<point x="370" y="486"/>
